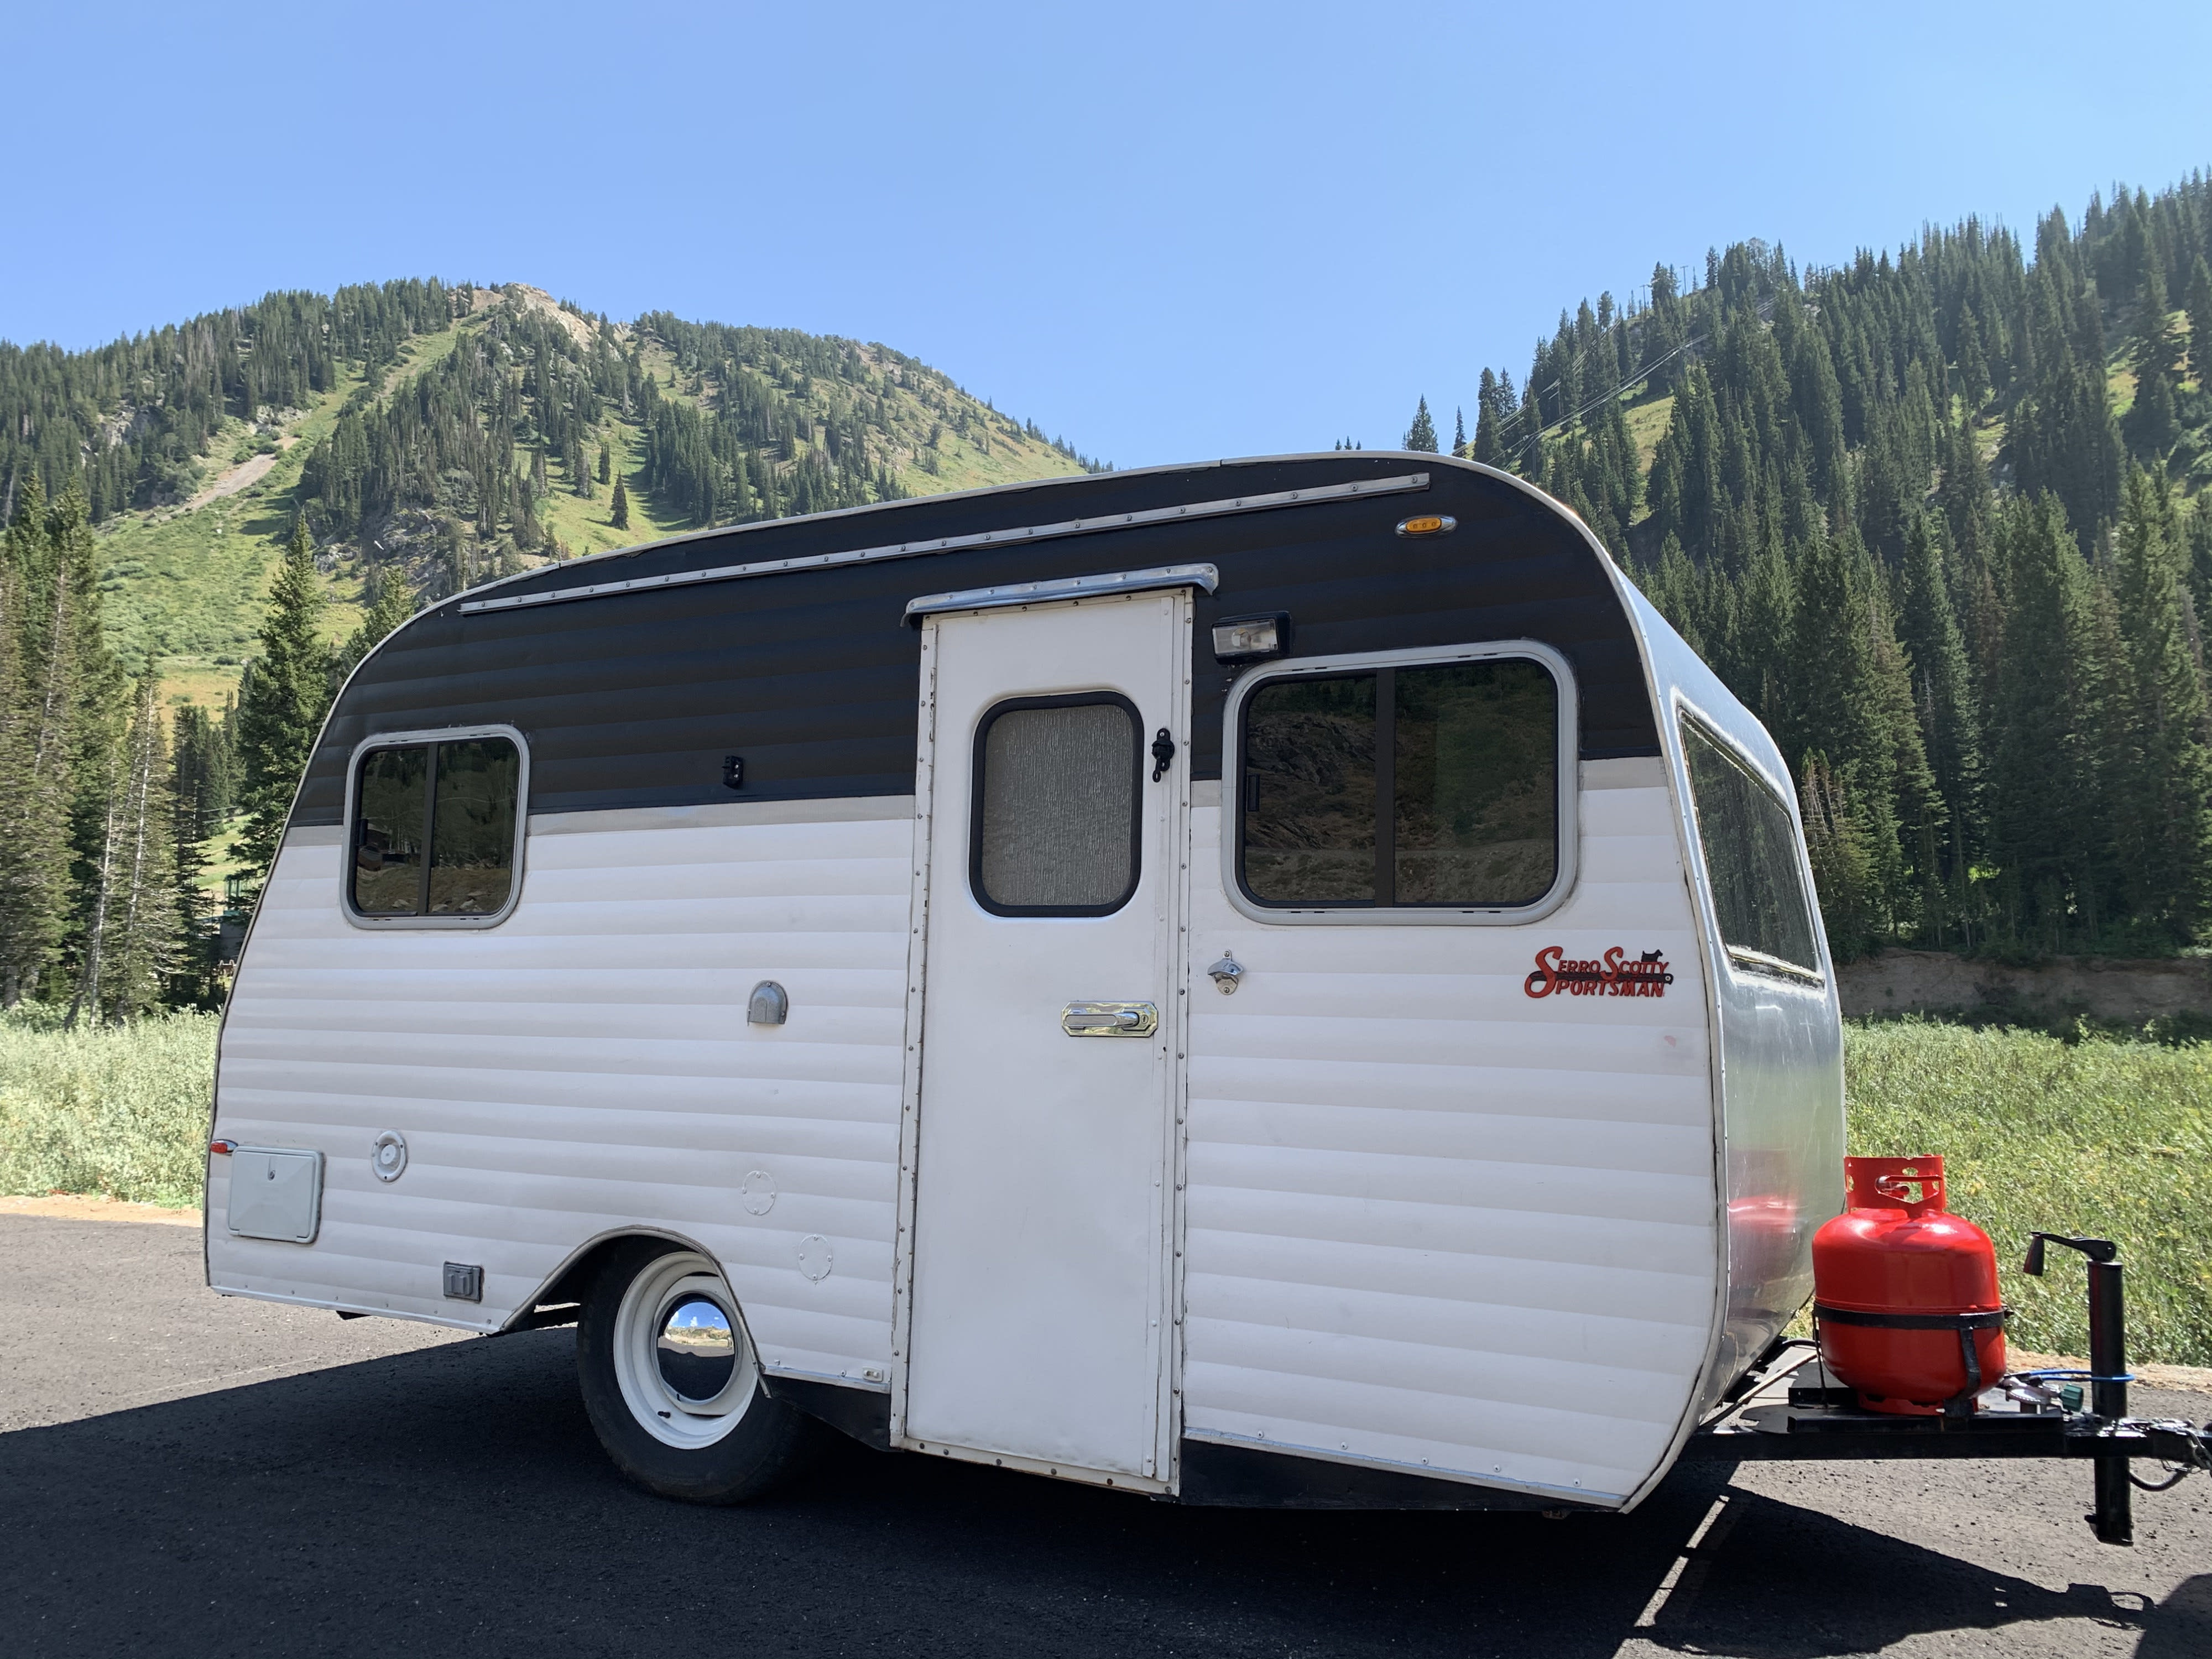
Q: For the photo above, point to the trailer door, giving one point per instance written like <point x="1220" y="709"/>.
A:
<point x="1039" y="1331"/>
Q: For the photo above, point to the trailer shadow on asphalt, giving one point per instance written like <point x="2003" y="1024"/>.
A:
<point x="452" y="1498"/>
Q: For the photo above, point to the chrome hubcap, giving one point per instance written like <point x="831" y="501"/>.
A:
<point x="682" y="1360"/>
<point x="697" y="1350"/>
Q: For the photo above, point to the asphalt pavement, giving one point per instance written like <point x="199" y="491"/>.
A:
<point x="182" y="1474"/>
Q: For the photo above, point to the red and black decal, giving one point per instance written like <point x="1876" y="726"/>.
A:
<point x="1610" y="975"/>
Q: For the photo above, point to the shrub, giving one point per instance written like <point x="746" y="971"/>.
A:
<point x="118" y="1111"/>
<point x="2107" y="1136"/>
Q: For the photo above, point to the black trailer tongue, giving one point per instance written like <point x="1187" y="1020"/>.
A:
<point x="1775" y="1412"/>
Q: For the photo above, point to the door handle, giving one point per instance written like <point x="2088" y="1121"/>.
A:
<point x="1136" y="1019"/>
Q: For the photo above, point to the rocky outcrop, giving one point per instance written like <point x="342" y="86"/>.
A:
<point x="2102" y="987"/>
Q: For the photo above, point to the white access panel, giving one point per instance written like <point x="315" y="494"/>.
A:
<point x="276" y="1193"/>
<point x="1040" y="1326"/>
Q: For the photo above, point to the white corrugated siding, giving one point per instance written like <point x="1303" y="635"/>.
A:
<point x="587" y="1066"/>
<point x="1433" y="1222"/>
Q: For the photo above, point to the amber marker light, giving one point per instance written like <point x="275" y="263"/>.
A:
<point x="1429" y="523"/>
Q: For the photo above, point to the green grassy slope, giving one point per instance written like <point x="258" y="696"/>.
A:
<point x="185" y="586"/>
<point x="2103" y="1136"/>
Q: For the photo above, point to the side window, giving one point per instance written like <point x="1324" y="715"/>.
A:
<point x="434" y="829"/>
<point x="1054" y="826"/>
<point x="391" y="824"/>
<point x="1751" y="859"/>
<point x="1309" y="791"/>
<point x="1430" y="786"/>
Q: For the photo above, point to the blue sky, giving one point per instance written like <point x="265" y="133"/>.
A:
<point x="1167" y="232"/>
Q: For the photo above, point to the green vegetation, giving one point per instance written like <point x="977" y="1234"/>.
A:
<point x="185" y="586"/>
<point x="443" y="392"/>
<point x="102" y="906"/>
<point x="1929" y="516"/>
<point x="283" y="702"/>
<point x="139" y="423"/>
<point x="122" y="1111"/>
<point x="2106" y="1136"/>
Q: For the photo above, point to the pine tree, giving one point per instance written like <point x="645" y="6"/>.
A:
<point x="2197" y="559"/>
<point x="1946" y="706"/>
<point x="622" y="506"/>
<point x="281" y="706"/>
<point x="34" y="800"/>
<point x="202" y="771"/>
<point x="100" y="765"/>
<point x="101" y="884"/>
<point x="1492" y="406"/>
<point x="1973" y="365"/>
<point x="191" y="824"/>
<point x="2046" y="715"/>
<point x="1674" y="589"/>
<point x="1422" y="434"/>
<point x="391" y="604"/>
<point x="2199" y="301"/>
<point x="1850" y="700"/>
<point x="1459" y="433"/>
<point x="2152" y="424"/>
<point x="1765" y="620"/>
<point x="60" y="730"/>
<point x="1922" y="818"/>
<point x="133" y="943"/>
<point x="1843" y="869"/>
<point x="2165" y="799"/>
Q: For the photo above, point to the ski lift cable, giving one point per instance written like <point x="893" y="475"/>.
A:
<point x="1765" y="311"/>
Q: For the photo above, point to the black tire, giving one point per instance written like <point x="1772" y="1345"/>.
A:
<point x="737" y="1447"/>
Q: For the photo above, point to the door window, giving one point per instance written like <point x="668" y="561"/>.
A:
<point x="1057" y="790"/>
<point x="435" y="829"/>
<point x="1434" y="785"/>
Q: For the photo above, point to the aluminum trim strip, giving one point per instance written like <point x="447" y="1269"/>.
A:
<point x="1203" y="576"/>
<point x="1035" y="532"/>
<point x="815" y="808"/>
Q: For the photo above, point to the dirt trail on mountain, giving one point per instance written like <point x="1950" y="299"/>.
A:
<point x="244" y="476"/>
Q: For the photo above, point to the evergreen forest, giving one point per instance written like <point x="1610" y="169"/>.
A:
<point x="1940" y="518"/>
<point x="1938" y="515"/>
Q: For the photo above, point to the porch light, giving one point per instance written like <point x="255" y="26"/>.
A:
<point x="1249" y="639"/>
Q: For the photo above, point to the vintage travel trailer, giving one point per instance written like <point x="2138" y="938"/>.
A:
<point x="1276" y="981"/>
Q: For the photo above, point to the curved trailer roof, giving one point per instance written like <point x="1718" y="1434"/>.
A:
<point x="635" y="673"/>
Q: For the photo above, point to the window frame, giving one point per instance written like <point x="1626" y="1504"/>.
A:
<point x="1744" y="963"/>
<point x="1567" y="819"/>
<point x="366" y="746"/>
<point x="984" y="722"/>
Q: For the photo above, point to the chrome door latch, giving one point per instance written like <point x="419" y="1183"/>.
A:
<point x="1129" y="1019"/>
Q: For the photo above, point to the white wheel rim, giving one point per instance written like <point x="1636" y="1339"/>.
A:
<point x="666" y="1283"/>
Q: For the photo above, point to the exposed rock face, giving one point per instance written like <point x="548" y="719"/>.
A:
<point x="2102" y="987"/>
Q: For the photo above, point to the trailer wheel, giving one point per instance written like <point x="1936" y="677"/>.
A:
<point x="670" y="1383"/>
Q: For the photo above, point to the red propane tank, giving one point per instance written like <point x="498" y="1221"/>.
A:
<point x="1904" y="1297"/>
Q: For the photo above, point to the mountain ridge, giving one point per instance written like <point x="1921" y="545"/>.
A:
<point x="438" y="434"/>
